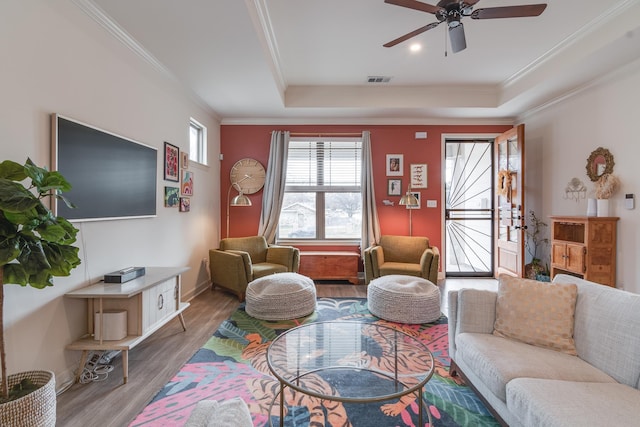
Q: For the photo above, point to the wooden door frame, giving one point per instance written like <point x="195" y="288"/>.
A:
<point x="519" y="247"/>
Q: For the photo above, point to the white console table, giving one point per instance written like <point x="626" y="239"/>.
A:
<point x="150" y="301"/>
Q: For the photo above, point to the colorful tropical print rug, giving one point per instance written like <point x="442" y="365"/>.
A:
<point x="233" y="363"/>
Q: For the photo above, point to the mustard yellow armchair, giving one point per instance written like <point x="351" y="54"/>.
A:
<point x="408" y="255"/>
<point x="239" y="260"/>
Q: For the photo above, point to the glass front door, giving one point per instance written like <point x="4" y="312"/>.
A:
<point x="469" y="213"/>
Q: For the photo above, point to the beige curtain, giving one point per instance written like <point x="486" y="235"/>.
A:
<point x="273" y="193"/>
<point x="370" y="224"/>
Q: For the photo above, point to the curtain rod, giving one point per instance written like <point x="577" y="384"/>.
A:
<point x="321" y="134"/>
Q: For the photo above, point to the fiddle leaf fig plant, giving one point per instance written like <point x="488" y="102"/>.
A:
<point x="35" y="245"/>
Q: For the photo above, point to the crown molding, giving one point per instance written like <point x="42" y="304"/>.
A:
<point x="378" y="121"/>
<point x="104" y="20"/>
<point x="588" y="29"/>
<point x="259" y="13"/>
<point x="614" y="75"/>
<point x="100" y="16"/>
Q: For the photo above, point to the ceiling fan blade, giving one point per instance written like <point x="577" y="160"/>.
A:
<point x="411" y="34"/>
<point x="458" y="40"/>
<point x="509" y="11"/>
<point x="416" y="5"/>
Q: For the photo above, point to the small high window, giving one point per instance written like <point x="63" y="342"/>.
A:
<point x="197" y="142"/>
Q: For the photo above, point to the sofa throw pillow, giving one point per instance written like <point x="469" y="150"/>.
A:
<point x="537" y="313"/>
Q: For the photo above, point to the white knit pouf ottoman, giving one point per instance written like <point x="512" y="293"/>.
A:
<point x="281" y="296"/>
<point x="404" y="299"/>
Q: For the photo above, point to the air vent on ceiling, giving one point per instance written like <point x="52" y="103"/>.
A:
<point x="378" y="79"/>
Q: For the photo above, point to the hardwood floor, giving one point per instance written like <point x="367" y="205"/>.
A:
<point x="151" y="365"/>
<point x="158" y="358"/>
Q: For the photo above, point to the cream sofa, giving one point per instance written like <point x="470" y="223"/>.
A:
<point x="531" y="385"/>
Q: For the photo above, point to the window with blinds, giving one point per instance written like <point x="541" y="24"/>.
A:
<point x="322" y="196"/>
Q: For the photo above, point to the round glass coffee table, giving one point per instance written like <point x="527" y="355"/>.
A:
<point x="350" y="361"/>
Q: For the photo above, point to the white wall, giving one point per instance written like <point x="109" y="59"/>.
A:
<point x="55" y="59"/>
<point x="561" y="138"/>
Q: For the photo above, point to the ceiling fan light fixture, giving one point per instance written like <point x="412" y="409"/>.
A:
<point x="457" y="37"/>
<point x="453" y="18"/>
<point x="452" y="11"/>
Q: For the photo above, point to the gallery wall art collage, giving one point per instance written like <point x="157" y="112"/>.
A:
<point x="176" y="165"/>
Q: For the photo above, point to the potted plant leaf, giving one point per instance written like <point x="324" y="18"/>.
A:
<point x="536" y="269"/>
<point x="35" y="246"/>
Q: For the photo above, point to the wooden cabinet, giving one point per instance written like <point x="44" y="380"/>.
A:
<point x="330" y="265"/>
<point x="568" y="256"/>
<point x="150" y="302"/>
<point x="584" y="247"/>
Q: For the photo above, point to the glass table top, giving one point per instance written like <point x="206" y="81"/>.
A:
<point x="350" y="361"/>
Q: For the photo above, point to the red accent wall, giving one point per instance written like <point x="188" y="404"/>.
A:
<point x="240" y="141"/>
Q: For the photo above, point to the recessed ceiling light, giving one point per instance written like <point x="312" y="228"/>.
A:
<point x="415" y="47"/>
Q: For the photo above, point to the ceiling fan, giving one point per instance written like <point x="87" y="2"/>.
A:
<point x="452" y="12"/>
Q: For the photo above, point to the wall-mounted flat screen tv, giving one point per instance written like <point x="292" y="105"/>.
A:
<point x="112" y="177"/>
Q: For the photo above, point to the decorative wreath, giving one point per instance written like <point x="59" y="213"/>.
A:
<point x="504" y="183"/>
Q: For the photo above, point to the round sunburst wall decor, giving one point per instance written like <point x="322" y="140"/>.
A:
<point x="504" y="183"/>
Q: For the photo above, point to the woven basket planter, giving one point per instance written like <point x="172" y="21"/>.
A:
<point x="37" y="409"/>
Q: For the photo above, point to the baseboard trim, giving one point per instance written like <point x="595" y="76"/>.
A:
<point x="200" y="288"/>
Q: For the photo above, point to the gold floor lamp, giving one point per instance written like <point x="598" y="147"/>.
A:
<point x="410" y="201"/>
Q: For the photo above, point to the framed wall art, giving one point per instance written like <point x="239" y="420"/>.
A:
<point x="394" y="187"/>
<point x="394" y="164"/>
<point x="184" y="160"/>
<point x="186" y="184"/>
<point x="418" y="175"/>
<point x="185" y="204"/>
<point x="171" y="162"/>
<point x="417" y="196"/>
<point x="171" y="197"/>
